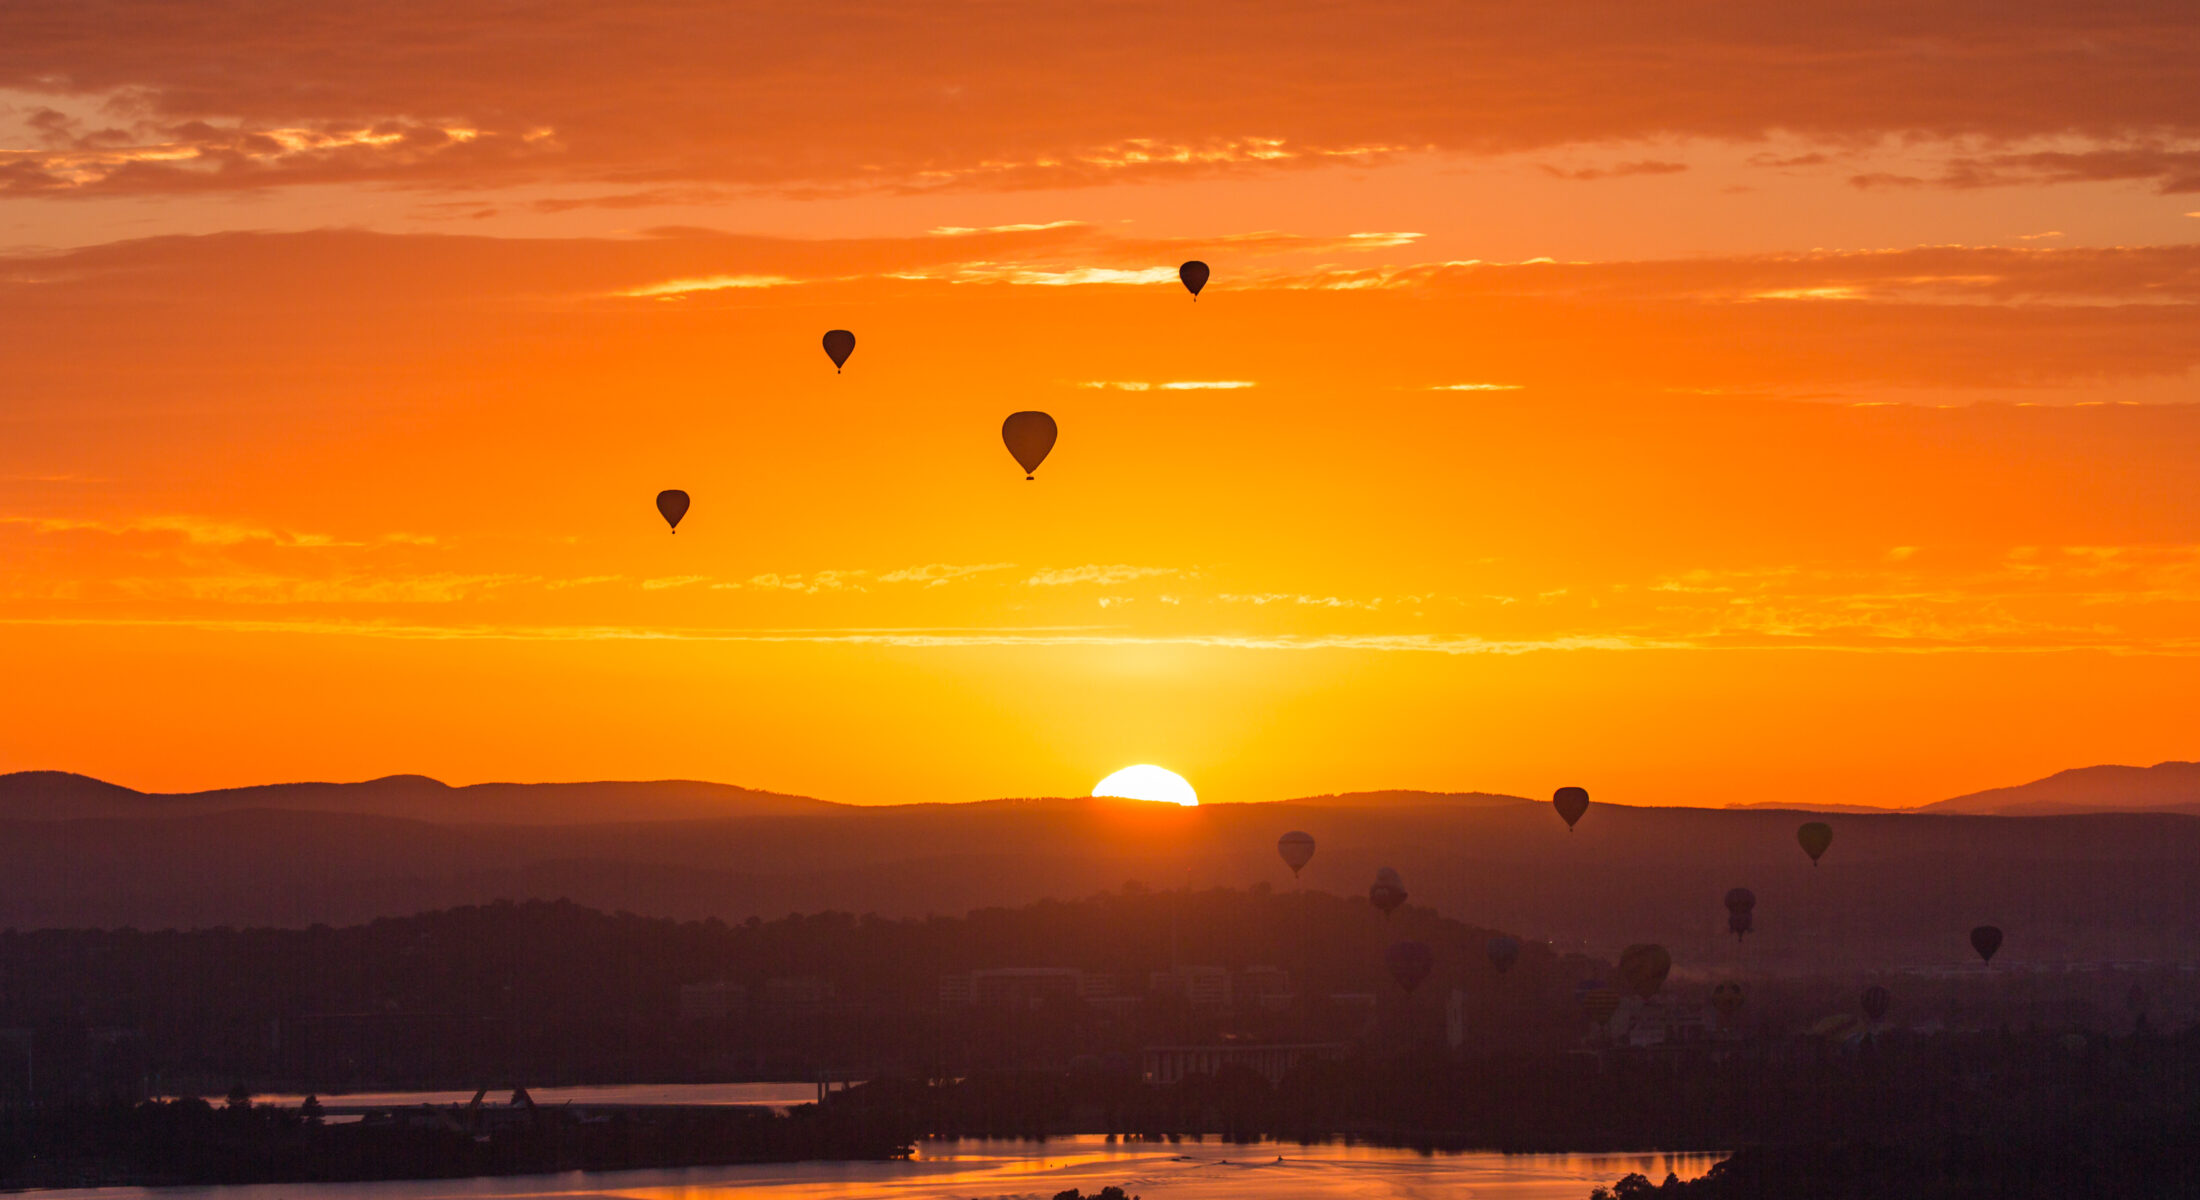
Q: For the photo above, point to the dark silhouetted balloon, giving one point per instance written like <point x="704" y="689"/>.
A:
<point x="1740" y="904"/>
<point x="1726" y="1000"/>
<point x="1387" y="892"/>
<point x="1876" y="1000"/>
<point x="1409" y="963"/>
<point x="1814" y="837"/>
<point x="672" y="505"/>
<point x="1986" y="939"/>
<point x="839" y="344"/>
<point x="1570" y="802"/>
<point x="1194" y="275"/>
<point x="1297" y="849"/>
<point x="1504" y="952"/>
<point x="1643" y="968"/>
<point x="1028" y="435"/>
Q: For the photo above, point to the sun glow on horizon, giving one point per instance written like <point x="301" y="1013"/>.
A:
<point x="1148" y="782"/>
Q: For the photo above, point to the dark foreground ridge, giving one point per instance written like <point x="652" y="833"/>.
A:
<point x="1143" y="1015"/>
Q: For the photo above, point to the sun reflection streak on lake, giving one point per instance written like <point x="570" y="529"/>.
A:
<point x="974" y="1169"/>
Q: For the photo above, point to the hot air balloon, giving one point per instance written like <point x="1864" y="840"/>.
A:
<point x="1297" y="848"/>
<point x="672" y="505"/>
<point x="1387" y="892"/>
<point x="1986" y="939"/>
<point x="1194" y="275"/>
<point x="1876" y="1000"/>
<point x="1570" y="802"/>
<point x="1814" y="837"/>
<point x="839" y="344"/>
<point x="1643" y="968"/>
<point x="1409" y="963"/>
<point x="1504" y="952"/>
<point x="1726" y="1000"/>
<point x="1741" y="903"/>
<point x="1029" y="435"/>
<point x="1597" y="1001"/>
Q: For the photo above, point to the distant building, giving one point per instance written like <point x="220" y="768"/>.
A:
<point x="798" y="994"/>
<point x="1171" y="1064"/>
<point x="1016" y="988"/>
<point x="1265" y="987"/>
<point x="1020" y="989"/>
<point x="711" y="1001"/>
<point x="1201" y="987"/>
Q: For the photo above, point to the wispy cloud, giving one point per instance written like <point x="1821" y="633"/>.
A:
<point x="673" y="289"/>
<point x="201" y="531"/>
<point x="937" y="574"/>
<point x="1180" y="385"/>
<point x="1103" y="575"/>
<point x="1476" y="387"/>
<point x="970" y="230"/>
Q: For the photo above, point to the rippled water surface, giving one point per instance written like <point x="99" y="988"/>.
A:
<point x="984" y="1170"/>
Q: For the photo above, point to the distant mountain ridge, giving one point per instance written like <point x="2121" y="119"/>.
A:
<point x="2163" y="787"/>
<point x="1901" y="887"/>
<point x="64" y="795"/>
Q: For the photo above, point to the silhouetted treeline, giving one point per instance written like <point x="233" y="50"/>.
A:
<point x="548" y="992"/>
<point x="192" y="1142"/>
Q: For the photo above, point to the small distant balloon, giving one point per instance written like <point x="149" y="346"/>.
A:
<point x="839" y="344"/>
<point x="1504" y="952"/>
<point x="1986" y="939"/>
<point x="1029" y="436"/>
<point x="1726" y="1000"/>
<point x="1409" y="963"/>
<point x="1387" y="892"/>
<point x="1297" y="849"/>
<point x="1741" y="904"/>
<point x="1876" y="1001"/>
<point x="1570" y="802"/>
<point x="1194" y="275"/>
<point x="672" y="505"/>
<point x="1814" y="837"/>
<point x="1643" y="967"/>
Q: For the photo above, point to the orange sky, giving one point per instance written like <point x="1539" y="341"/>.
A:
<point x="1694" y="405"/>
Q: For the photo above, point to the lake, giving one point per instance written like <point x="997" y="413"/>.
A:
<point x="974" y="1169"/>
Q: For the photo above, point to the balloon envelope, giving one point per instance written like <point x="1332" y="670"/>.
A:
<point x="839" y="344"/>
<point x="1740" y="922"/>
<point x="1504" y="952"/>
<point x="1740" y="900"/>
<point x="1388" y="891"/>
<point x="1409" y="963"/>
<point x="1194" y="275"/>
<point x="1814" y="837"/>
<point x="1876" y="1000"/>
<point x="1986" y="939"/>
<point x="1643" y="968"/>
<point x="672" y="505"/>
<point x="1029" y="436"/>
<point x="1570" y="802"/>
<point x="1297" y="849"/>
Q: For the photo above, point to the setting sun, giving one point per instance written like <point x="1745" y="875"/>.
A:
<point x="1148" y="782"/>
